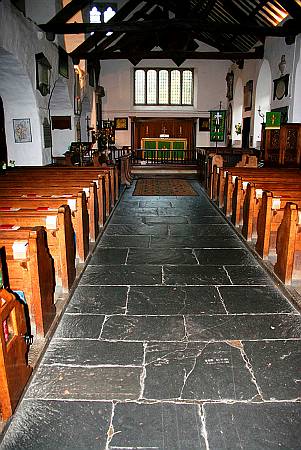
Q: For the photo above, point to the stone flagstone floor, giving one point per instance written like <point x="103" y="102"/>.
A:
<point x="175" y="339"/>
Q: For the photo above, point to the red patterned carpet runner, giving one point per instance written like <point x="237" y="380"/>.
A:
<point x="170" y="186"/>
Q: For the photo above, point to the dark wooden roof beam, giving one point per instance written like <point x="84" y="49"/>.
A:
<point x="235" y="56"/>
<point x="68" y="11"/>
<point x="160" y="25"/>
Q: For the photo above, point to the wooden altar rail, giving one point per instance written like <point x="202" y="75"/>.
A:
<point x="170" y="157"/>
<point x="14" y="371"/>
<point x="32" y="273"/>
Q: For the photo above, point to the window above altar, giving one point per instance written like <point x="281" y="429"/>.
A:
<point x="173" y="87"/>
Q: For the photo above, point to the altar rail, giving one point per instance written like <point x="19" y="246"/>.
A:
<point x="143" y="156"/>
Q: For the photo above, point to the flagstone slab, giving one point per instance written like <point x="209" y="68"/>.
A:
<point x="173" y="300"/>
<point x="243" y="327"/>
<point x="41" y="424"/>
<point x="85" y="383"/>
<point x="144" y="328"/>
<point x="157" y="426"/>
<point x="122" y="275"/>
<point x="197" y="371"/>
<point x="92" y="352"/>
<point x="264" y="426"/>
<point x="98" y="300"/>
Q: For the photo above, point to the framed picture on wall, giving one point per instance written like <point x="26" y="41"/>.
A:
<point x="248" y="94"/>
<point x="230" y="81"/>
<point x="121" y="123"/>
<point x="204" y="124"/>
<point x="22" y="130"/>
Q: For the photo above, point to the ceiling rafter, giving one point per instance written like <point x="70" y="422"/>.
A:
<point x="107" y="54"/>
<point x="175" y="24"/>
<point x="93" y="40"/>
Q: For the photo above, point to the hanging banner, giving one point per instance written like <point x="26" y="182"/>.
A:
<point x="217" y="125"/>
<point x="273" y="120"/>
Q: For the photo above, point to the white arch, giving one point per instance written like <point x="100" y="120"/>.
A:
<point x="296" y="113"/>
<point x="61" y="104"/>
<point x="262" y="99"/>
<point x="19" y="102"/>
<point x="238" y="99"/>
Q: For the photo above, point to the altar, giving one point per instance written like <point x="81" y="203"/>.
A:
<point x="164" y="148"/>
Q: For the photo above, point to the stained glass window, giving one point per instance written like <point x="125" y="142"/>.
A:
<point x="163" y="86"/>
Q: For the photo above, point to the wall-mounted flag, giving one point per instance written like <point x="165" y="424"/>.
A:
<point x="273" y="120"/>
<point x="217" y="125"/>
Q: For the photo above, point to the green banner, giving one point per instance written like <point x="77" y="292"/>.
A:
<point x="273" y="120"/>
<point x="217" y="125"/>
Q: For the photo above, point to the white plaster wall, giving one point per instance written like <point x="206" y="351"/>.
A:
<point x="20" y="40"/>
<point x="296" y="113"/>
<point x="274" y="49"/>
<point x="263" y="97"/>
<point x="117" y="79"/>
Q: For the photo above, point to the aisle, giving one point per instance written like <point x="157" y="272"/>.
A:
<point x="175" y="339"/>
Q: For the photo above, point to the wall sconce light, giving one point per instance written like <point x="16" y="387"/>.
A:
<point x="261" y="114"/>
<point x="43" y="68"/>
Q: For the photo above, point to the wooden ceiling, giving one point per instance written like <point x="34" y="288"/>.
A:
<point x="174" y="29"/>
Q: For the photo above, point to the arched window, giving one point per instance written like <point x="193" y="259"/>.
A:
<point x="163" y="87"/>
<point x="102" y="14"/>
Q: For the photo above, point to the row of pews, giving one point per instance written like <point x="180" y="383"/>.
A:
<point x="50" y="218"/>
<point x="264" y="204"/>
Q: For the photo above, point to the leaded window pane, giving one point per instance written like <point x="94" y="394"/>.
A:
<point x="175" y="87"/>
<point x="140" y="87"/>
<point x="151" y="90"/>
<point x="163" y="87"/>
<point x="187" y="87"/>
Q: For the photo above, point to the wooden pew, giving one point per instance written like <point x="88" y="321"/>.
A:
<point x="109" y="173"/>
<point x="288" y="246"/>
<point x="60" y="237"/>
<point x="59" y="193"/>
<point x="79" y="214"/>
<point x="252" y="201"/>
<point x="236" y="180"/>
<point x="32" y="272"/>
<point x="14" y="371"/>
<point x="270" y="216"/>
<point x="125" y="170"/>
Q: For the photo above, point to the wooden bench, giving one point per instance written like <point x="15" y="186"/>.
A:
<point x="288" y="246"/>
<point x="60" y="237"/>
<point x="235" y="181"/>
<point x="31" y="272"/>
<point x="109" y="173"/>
<point x="270" y="215"/>
<point x="253" y="200"/>
<point x="62" y="194"/>
<point x="125" y="170"/>
<point x="14" y="371"/>
<point x="79" y="214"/>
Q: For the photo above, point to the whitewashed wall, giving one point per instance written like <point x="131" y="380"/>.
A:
<point x="20" y="40"/>
<point x="210" y="90"/>
<point x="263" y="72"/>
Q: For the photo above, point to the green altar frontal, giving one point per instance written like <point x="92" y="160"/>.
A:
<point x="164" y="148"/>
